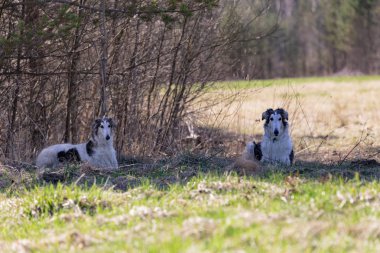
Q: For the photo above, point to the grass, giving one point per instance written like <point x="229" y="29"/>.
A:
<point x="292" y="81"/>
<point x="329" y="201"/>
<point x="213" y="213"/>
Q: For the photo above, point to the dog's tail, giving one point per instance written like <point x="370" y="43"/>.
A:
<point x="247" y="162"/>
<point x="247" y="166"/>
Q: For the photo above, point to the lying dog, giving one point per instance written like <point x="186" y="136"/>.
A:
<point x="98" y="151"/>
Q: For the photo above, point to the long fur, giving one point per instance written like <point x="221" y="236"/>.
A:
<point x="247" y="163"/>
<point x="276" y="146"/>
<point x="98" y="151"/>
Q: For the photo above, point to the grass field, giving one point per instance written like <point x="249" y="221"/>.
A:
<point x="328" y="116"/>
<point x="207" y="214"/>
<point x="329" y="201"/>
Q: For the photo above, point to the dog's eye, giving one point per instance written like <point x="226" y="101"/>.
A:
<point x="109" y="126"/>
<point x="271" y="119"/>
<point x="102" y="126"/>
<point x="279" y="119"/>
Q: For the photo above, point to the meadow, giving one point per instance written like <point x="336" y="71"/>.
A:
<point x="329" y="201"/>
<point x="328" y="116"/>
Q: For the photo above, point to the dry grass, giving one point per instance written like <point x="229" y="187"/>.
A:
<point x="327" y="118"/>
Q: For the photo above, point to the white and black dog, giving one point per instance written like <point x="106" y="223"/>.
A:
<point x="98" y="151"/>
<point x="276" y="146"/>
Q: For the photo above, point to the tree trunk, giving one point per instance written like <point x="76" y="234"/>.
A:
<point x="71" y="123"/>
<point x="103" y="60"/>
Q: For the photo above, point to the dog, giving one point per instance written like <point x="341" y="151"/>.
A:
<point x="98" y="151"/>
<point x="276" y="146"/>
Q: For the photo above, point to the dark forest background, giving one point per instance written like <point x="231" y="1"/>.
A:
<point x="65" y="62"/>
<point x="313" y="38"/>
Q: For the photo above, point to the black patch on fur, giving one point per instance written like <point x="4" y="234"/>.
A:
<point x="257" y="151"/>
<point x="61" y="156"/>
<point x="95" y="127"/>
<point x="97" y="123"/>
<point x="70" y="156"/>
<point x="110" y="121"/>
<point x="284" y="116"/>
<point x="90" y="148"/>
<point x="291" y="157"/>
<point x="266" y="115"/>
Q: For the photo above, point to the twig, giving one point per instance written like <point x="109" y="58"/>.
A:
<point x="81" y="176"/>
<point x="105" y="184"/>
<point x="361" y="139"/>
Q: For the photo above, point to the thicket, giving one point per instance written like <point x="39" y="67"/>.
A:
<point x="64" y="63"/>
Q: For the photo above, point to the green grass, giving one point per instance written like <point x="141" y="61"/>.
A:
<point x="291" y="81"/>
<point x="210" y="213"/>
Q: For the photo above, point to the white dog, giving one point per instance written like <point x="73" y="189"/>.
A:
<point x="98" y="151"/>
<point x="276" y="146"/>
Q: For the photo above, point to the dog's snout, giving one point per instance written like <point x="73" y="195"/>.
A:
<point x="108" y="137"/>
<point x="275" y="132"/>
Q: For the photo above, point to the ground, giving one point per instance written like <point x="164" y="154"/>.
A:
<point x="329" y="201"/>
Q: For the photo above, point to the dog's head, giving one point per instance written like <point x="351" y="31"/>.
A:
<point x="102" y="130"/>
<point x="276" y="122"/>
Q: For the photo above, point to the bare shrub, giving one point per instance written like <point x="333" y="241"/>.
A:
<point x="63" y="63"/>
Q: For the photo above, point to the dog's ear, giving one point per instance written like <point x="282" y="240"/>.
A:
<point x="283" y="113"/>
<point x="96" y="124"/>
<point x="111" y="122"/>
<point x="267" y="113"/>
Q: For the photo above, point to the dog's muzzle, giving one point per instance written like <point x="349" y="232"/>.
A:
<point x="276" y="132"/>
<point x="108" y="137"/>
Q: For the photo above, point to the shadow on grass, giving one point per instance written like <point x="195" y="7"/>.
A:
<point x="212" y="156"/>
<point x="179" y="170"/>
<point x="367" y="169"/>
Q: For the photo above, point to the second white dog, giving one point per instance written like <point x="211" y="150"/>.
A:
<point x="276" y="146"/>
<point x="98" y="151"/>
